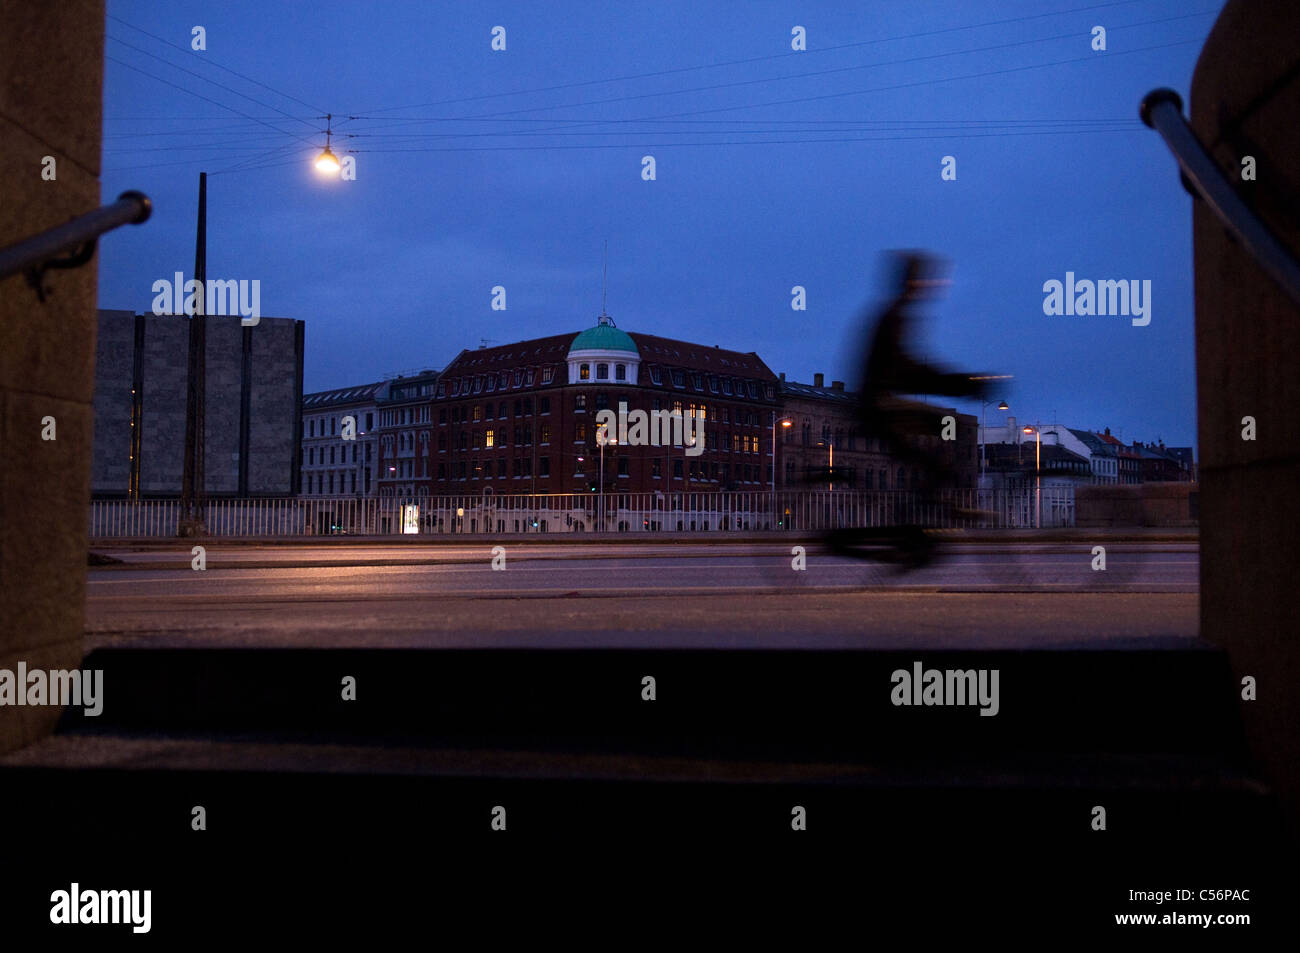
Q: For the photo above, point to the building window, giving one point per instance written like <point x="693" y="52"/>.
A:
<point x="544" y="467"/>
<point x="602" y="372"/>
<point x="580" y="433"/>
<point x="679" y="378"/>
<point x="622" y="466"/>
<point x="602" y="400"/>
<point x="331" y="457"/>
<point x="489" y="439"/>
<point x="545" y="433"/>
<point x="656" y="375"/>
<point x="584" y="372"/>
<point x="477" y="413"/>
<point x="656" y="468"/>
<point x="491" y="383"/>
<point x="697" y="381"/>
<point x="677" y="469"/>
<point x="580" y="404"/>
<point x="620" y="372"/>
<point x="544" y="405"/>
<point x="548" y="374"/>
<point x="442" y="416"/>
<point x="530" y="375"/>
<point x="713" y="383"/>
<point x="519" y="377"/>
<point x="726" y="385"/>
<point x="528" y="406"/>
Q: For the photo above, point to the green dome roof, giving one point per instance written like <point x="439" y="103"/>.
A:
<point x="603" y="337"/>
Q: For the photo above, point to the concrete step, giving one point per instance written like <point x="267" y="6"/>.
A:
<point x="837" y="706"/>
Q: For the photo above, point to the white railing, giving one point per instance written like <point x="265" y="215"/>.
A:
<point x="679" y="511"/>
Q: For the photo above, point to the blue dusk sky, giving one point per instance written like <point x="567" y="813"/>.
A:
<point x="478" y="168"/>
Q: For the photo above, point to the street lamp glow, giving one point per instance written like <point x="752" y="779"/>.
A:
<point x="327" y="162"/>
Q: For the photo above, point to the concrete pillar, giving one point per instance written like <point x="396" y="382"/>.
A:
<point x="51" y="74"/>
<point x="1244" y="103"/>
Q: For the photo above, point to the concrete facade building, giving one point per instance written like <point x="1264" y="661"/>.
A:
<point x="253" y="400"/>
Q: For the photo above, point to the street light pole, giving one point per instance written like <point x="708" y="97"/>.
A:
<point x="1038" y="474"/>
<point x="784" y="422"/>
<point x="984" y="438"/>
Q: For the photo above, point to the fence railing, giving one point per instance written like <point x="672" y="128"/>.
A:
<point x="683" y="511"/>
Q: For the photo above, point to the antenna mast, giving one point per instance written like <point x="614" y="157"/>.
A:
<point x="604" y="286"/>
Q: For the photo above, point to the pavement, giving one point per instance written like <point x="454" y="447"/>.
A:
<point x="979" y="592"/>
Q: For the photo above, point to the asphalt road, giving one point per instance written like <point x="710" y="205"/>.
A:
<point x="671" y="595"/>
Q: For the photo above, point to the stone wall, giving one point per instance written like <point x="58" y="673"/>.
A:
<point x="1245" y="98"/>
<point x="51" y="73"/>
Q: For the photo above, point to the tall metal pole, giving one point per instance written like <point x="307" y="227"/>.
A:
<point x="1038" y="474"/>
<point x="774" y="469"/>
<point x="192" y="473"/>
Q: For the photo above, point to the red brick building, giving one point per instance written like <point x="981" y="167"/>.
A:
<point x="521" y="418"/>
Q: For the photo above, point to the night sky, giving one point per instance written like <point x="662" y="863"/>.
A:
<point x="478" y="168"/>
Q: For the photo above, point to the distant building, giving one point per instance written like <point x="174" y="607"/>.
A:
<point x="1102" y="457"/>
<point x="521" y="418"/>
<point x="252" y="406"/>
<point x="825" y="447"/>
<point x="405" y="433"/>
<point x="1161" y="465"/>
<point x="333" y="465"/>
<point x="1130" y="461"/>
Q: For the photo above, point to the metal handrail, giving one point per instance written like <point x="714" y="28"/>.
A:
<point x="131" y="208"/>
<point x="1162" y="110"/>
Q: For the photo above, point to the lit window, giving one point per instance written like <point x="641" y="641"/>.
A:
<point x="584" y="372"/>
<point x="489" y="438"/>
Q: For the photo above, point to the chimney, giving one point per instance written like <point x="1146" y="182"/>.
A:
<point x="1013" y="432"/>
<point x="837" y="385"/>
<point x="819" y="380"/>
<point x="1107" y="431"/>
<point x="783" y="377"/>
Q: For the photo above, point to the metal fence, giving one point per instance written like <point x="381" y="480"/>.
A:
<point x="681" y="511"/>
